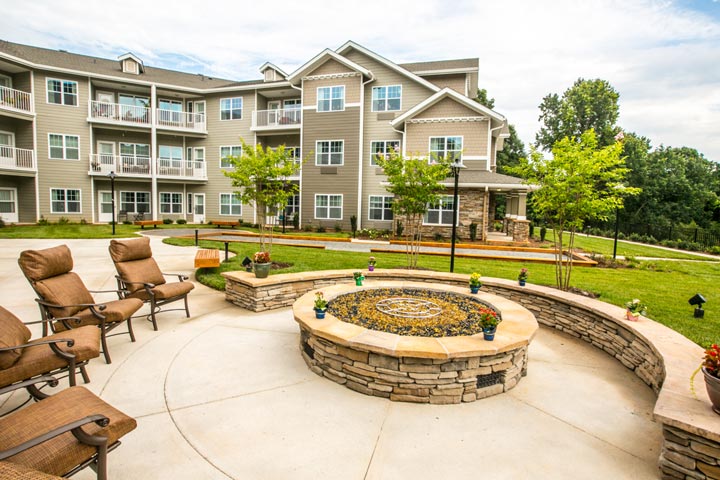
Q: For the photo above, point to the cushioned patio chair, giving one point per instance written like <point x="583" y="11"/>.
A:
<point x="63" y="294"/>
<point x="140" y="277"/>
<point x="61" y="434"/>
<point x="22" y="358"/>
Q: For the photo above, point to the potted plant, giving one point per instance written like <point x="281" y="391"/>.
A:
<point x="475" y="282"/>
<point x="359" y="277"/>
<point x="261" y="264"/>
<point x="634" y="309"/>
<point x="489" y="321"/>
<point x="523" y="276"/>
<point x="710" y="367"/>
<point x="320" y="305"/>
<point x="371" y="264"/>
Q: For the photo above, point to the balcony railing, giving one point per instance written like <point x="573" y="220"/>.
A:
<point x="181" y="120"/>
<point x="16" y="100"/>
<point x="181" y="169"/>
<point x="12" y="158"/>
<point x="115" y="112"/>
<point x="139" y="166"/>
<point x="277" y="119"/>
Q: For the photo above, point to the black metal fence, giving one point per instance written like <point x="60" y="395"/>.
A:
<point x="701" y="236"/>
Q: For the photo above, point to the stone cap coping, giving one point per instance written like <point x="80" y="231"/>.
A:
<point x="516" y="330"/>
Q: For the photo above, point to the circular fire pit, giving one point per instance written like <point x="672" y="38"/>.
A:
<point x="443" y="360"/>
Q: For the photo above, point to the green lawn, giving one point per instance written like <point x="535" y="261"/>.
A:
<point x="665" y="286"/>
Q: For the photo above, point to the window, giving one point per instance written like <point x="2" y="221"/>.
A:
<point x="231" y="108"/>
<point x="134" y="108"/>
<point x="329" y="152"/>
<point x="331" y="99"/>
<point x="8" y="200"/>
<point x="64" y="147"/>
<point x="230" y="204"/>
<point x="65" y="200"/>
<point x="62" y="92"/>
<point x="446" y="147"/>
<point x="170" y="161"/>
<point x="292" y="208"/>
<point x="230" y="151"/>
<point x="380" y="207"/>
<point x="440" y="213"/>
<point x="170" y="202"/>
<point x="328" y="207"/>
<point x="386" y="99"/>
<point x="295" y="155"/>
<point x="135" y="202"/>
<point x="382" y="148"/>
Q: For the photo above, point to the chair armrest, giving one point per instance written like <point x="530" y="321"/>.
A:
<point x="73" y="427"/>
<point x="69" y="341"/>
<point x="104" y="291"/>
<point x="99" y="306"/>
<point x="65" y="321"/>
<point x="144" y="284"/>
<point x="180" y="276"/>
<point x="49" y="379"/>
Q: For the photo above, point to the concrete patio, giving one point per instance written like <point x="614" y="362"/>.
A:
<point x="226" y="394"/>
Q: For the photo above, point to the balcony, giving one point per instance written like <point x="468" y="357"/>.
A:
<point x="138" y="166"/>
<point x="180" y="121"/>
<point x="17" y="159"/>
<point x="16" y="102"/>
<point x="117" y="114"/>
<point x="278" y="119"/>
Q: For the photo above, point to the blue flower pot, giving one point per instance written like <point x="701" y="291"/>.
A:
<point x="489" y="333"/>
<point x="319" y="313"/>
<point x="474" y="289"/>
<point x="521" y="282"/>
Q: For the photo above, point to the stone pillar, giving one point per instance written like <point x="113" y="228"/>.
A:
<point x="521" y="230"/>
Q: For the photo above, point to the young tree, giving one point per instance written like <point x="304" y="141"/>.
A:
<point x="581" y="182"/>
<point x="415" y="183"/>
<point x="260" y="174"/>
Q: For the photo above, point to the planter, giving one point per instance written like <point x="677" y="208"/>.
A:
<point x="319" y="313"/>
<point x="371" y="268"/>
<point x="262" y="270"/>
<point x="489" y="333"/>
<point x="521" y="283"/>
<point x="474" y="289"/>
<point x="358" y="282"/>
<point x="632" y="317"/>
<point x="713" y="388"/>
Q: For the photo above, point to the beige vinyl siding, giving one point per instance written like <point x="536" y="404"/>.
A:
<point x="352" y="90"/>
<point x="472" y="84"/>
<point x="456" y="82"/>
<point x="22" y="81"/>
<point x="25" y="187"/>
<point x="66" y="120"/>
<point x="330" y="67"/>
<point x="474" y="138"/>
<point x="447" y="108"/>
<point x="22" y="130"/>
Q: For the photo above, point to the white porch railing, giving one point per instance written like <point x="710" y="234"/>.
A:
<point x="115" y="112"/>
<point x="183" y="120"/>
<point x="12" y="158"/>
<point x="102" y="164"/>
<point x="278" y="118"/>
<point x="16" y="100"/>
<point x="190" y="169"/>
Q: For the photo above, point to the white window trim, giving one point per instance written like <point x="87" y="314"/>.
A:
<point x="317" y="99"/>
<point x="160" y="204"/>
<point x="15" y="201"/>
<point x="373" y="154"/>
<point x="462" y="139"/>
<point x="220" y="204"/>
<point x="62" y="92"/>
<point x="12" y="136"/>
<point x="342" y="206"/>
<point x="242" y="109"/>
<point x="383" y="219"/>
<point x="64" y="157"/>
<point x="11" y="82"/>
<point x="443" y="224"/>
<point x="220" y="162"/>
<point x="317" y="152"/>
<point x="66" y="189"/>
<point x="135" y="202"/>
<point x="372" y="107"/>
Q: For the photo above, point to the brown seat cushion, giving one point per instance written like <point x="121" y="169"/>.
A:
<point x="165" y="291"/>
<point x="39" y="359"/>
<point x="64" y="289"/>
<point x="12" y="332"/>
<point x="40" y="264"/>
<point x="60" y="454"/>
<point x="143" y="271"/>
<point x="116" y="311"/>
<point x="12" y="471"/>
<point x="129" y="250"/>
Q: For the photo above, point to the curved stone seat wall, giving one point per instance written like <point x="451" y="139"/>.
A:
<point x="659" y="356"/>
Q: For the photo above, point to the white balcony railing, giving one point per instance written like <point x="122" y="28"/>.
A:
<point x="12" y="158"/>
<point x="15" y="100"/>
<point x="190" y="169"/>
<point x="139" y="165"/>
<point x="278" y="118"/>
<point x="115" y="112"/>
<point x="181" y="120"/>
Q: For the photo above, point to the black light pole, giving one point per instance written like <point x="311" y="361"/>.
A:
<point x="456" y="166"/>
<point x="617" y="227"/>
<point x="112" y="176"/>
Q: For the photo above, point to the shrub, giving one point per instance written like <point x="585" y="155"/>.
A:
<point x="2" y="222"/>
<point x="715" y="250"/>
<point x="308" y="227"/>
<point x="353" y="225"/>
<point x="83" y="221"/>
<point x="543" y="233"/>
<point x="635" y="237"/>
<point x="532" y="230"/>
<point x="621" y="235"/>
<point x="473" y="231"/>
<point x="399" y="228"/>
<point x="438" y="237"/>
<point x="296" y="221"/>
<point x="320" y="229"/>
<point x="694" y="247"/>
<point x="181" y="221"/>
<point x="167" y="221"/>
<point x="127" y="222"/>
<point x="498" y="226"/>
<point x="63" y="221"/>
<point x="338" y="227"/>
<point x="669" y="243"/>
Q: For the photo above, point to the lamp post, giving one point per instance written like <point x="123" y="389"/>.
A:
<point x="456" y="166"/>
<point x="619" y="188"/>
<point x="112" y="176"/>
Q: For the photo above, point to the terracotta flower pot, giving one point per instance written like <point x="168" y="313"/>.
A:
<point x="632" y="317"/>
<point x="713" y="388"/>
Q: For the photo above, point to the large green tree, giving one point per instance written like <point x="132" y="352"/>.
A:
<point x="588" y="104"/>
<point x="514" y="148"/>
<point x="581" y="182"/>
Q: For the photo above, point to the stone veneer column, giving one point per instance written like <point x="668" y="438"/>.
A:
<point x="521" y="230"/>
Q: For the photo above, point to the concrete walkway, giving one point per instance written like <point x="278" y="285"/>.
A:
<point x="225" y="394"/>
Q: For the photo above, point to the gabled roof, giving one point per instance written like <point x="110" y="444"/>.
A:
<point x="267" y="65"/>
<point x="439" y="67"/>
<point x="393" y="66"/>
<point x="483" y="178"/>
<point x="447" y="93"/>
<point x="132" y="56"/>
<point x="322" y="57"/>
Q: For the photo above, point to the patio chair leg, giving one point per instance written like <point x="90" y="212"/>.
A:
<point x="85" y="376"/>
<point x="153" y="309"/>
<point x="187" y="309"/>
<point x="105" y="351"/>
<point x="71" y="373"/>
<point x="130" y="329"/>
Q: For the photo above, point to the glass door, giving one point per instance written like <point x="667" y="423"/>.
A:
<point x="273" y="107"/>
<point x="7" y="149"/>
<point x="104" y="206"/>
<point x="199" y="210"/>
<point x="8" y="205"/>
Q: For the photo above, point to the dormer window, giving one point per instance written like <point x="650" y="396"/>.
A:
<point x="270" y="75"/>
<point x="131" y="64"/>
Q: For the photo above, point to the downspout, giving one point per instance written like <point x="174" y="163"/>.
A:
<point x="302" y="152"/>
<point x="360" y="149"/>
<point x="35" y="150"/>
<point x="490" y="132"/>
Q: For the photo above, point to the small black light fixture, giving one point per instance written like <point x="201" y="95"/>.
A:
<point x="698" y="301"/>
<point x="247" y="263"/>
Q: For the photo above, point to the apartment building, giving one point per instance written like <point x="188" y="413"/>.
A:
<point x="67" y="121"/>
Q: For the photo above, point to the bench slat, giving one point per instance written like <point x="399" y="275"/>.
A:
<point x="207" y="258"/>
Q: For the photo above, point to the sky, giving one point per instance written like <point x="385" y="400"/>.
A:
<point x="662" y="56"/>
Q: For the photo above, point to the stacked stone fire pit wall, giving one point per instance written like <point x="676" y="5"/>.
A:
<point x="659" y="356"/>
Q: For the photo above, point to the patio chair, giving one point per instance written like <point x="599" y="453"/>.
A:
<point x="22" y="358"/>
<point x="63" y="294"/>
<point x="61" y="434"/>
<point x="139" y="277"/>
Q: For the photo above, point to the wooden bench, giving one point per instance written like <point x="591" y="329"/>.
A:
<point x="225" y="223"/>
<point x="207" y="258"/>
<point x="142" y="223"/>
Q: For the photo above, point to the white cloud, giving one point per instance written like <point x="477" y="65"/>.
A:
<point x="661" y="57"/>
